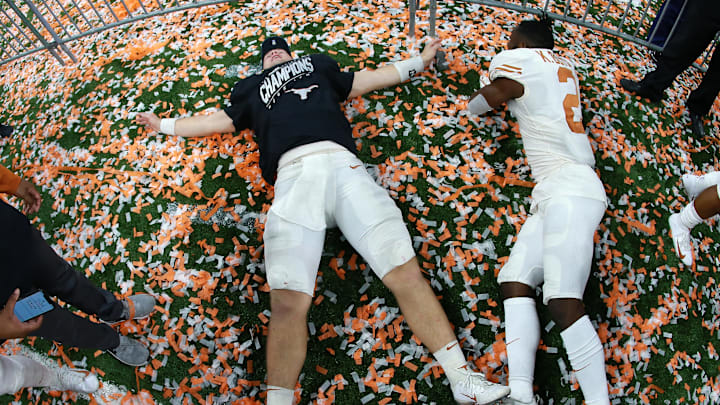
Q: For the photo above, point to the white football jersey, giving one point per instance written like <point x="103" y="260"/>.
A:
<point x="549" y="111"/>
<point x="549" y="114"/>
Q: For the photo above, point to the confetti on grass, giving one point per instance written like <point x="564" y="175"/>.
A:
<point x="182" y="219"/>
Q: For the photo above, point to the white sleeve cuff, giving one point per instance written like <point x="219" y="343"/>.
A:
<point x="478" y="105"/>
<point x="167" y="126"/>
<point x="409" y="67"/>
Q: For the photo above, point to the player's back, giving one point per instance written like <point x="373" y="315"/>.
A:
<point x="549" y="111"/>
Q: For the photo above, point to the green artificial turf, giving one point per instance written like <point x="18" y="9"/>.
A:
<point x="99" y="92"/>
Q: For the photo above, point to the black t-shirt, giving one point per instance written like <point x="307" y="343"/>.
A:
<point x="293" y="104"/>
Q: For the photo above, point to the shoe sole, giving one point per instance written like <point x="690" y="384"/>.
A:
<point x="493" y="401"/>
<point x="125" y="362"/>
<point x="116" y="323"/>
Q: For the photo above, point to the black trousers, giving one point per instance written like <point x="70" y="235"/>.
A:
<point x="700" y="23"/>
<point x="27" y="262"/>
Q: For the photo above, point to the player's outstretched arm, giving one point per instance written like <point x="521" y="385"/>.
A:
<point x="494" y="95"/>
<point x="370" y="80"/>
<point x="189" y="127"/>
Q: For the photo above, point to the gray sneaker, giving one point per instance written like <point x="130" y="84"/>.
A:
<point x="130" y="352"/>
<point x="138" y="306"/>
<point x="74" y="379"/>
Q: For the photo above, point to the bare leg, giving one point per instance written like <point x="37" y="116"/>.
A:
<point x="287" y="337"/>
<point x="565" y="311"/>
<point x="419" y="305"/>
<point x="514" y="289"/>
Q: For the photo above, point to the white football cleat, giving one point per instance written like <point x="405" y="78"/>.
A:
<point x="693" y="185"/>
<point x="681" y="240"/>
<point x="73" y="379"/>
<point x="476" y="389"/>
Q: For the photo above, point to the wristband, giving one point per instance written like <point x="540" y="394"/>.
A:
<point x="409" y="67"/>
<point x="478" y="105"/>
<point x="167" y="126"/>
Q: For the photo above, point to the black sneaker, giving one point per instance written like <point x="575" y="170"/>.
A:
<point x="698" y="127"/>
<point x="638" y="89"/>
<point x="6" y="131"/>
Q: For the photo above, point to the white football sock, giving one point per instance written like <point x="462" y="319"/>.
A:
<point x="709" y="179"/>
<point x="279" y="396"/>
<point x="587" y="359"/>
<point x="689" y="216"/>
<point x="18" y="372"/>
<point x="522" y="336"/>
<point x="451" y="359"/>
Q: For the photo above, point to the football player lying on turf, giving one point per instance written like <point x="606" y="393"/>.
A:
<point x="705" y="190"/>
<point x="555" y="244"/>
<point x="293" y="107"/>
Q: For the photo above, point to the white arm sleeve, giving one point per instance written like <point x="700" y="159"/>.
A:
<point x="479" y="105"/>
<point x="167" y="126"/>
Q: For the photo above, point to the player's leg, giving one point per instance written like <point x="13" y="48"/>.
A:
<point x="518" y="279"/>
<point x="568" y="231"/>
<point x="706" y="205"/>
<point x="18" y="372"/>
<point x="373" y="224"/>
<point x="292" y="256"/>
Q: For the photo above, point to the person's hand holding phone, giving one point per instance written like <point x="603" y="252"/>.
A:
<point x="10" y="326"/>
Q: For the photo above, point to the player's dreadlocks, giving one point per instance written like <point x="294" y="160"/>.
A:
<point x="537" y="33"/>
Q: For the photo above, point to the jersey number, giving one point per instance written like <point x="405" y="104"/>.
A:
<point x="571" y="101"/>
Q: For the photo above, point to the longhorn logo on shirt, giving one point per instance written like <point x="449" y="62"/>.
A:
<point x="281" y="76"/>
<point x="303" y="93"/>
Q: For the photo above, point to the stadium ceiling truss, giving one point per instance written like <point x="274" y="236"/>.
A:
<point x="28" y="26"/>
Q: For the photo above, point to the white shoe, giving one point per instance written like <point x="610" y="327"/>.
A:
<point x="682" y="241"/>
<point x="73" y="379"/>
<point x="693" y="185"/>
<point x="475" y="389"/>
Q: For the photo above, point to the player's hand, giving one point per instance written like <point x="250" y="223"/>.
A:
<point x="428" y="54"/>
<point x="29" y="195"/>
<point x="10" y="325"/>
<point x="148" y="119"/>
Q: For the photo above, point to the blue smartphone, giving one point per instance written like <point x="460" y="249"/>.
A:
<point x="32" y="306"/>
